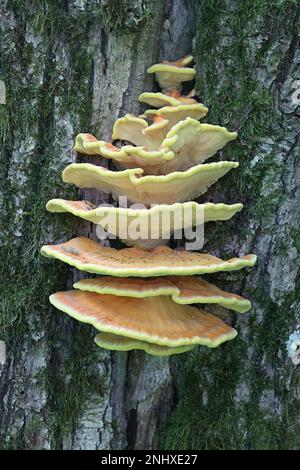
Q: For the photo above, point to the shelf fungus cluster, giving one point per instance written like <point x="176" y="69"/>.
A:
<point x="144" y="295"/>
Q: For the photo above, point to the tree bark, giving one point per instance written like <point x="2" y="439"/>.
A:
<point x="246" y="394"/>
<point x="75" y="66"/>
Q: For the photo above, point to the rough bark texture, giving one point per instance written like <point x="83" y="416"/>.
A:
<point x="246" y="394"/>
<point x="70" y="66"/>
<point x="75" y="66"/>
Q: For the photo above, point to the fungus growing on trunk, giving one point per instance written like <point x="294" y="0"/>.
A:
<point x="184" y="290"/>
<point x="175" y="114"/>
<point x="155" y="225"/>
<point x="121" y="343"/>
<point x="87" y="255"/>
<point x="157" y="149"/>
<point x="171" y="75"/>
<point x="158" y="100"/>
<point x="150" y="189"/>
<point x="156" y="320"/>
<point x="144" y="302"/>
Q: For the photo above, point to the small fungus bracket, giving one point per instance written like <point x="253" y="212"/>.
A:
<point x="293" y="347"/>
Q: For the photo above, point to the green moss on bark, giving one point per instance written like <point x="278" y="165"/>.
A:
<point x="240" y="397"/>
<point x="39" y="93"/>
<point x="125" y="16"/>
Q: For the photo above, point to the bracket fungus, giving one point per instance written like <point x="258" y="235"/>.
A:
<point x="157" y="320"/>
<point x="187" y="144"/>
<point x="158" y="149"/>
<point x="158" y="100"/>
<point x="170" y="75"/>
<point x="143" y="300"/>
<point x="154" y="226"/>
<point x="184" y="290"/>
<point x="175" y="114"/>
<point x="121" y="343"/>
<point x="90" y="256"/>
<point x="179" y="186"/>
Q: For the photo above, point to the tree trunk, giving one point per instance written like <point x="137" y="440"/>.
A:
<point x="75" y="66"/>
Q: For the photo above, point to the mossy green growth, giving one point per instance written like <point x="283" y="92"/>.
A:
<point x="125" y="16"/>
<point x="193" y="422"/>
<point x="241" y="395"/>
<point x="225" y="403"/>
<point x="30" y="111"/>
<point x="243" y="101"/>
<point x="47" y="100"/>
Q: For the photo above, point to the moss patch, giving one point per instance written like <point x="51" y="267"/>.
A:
<point x="125" y="16"/>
